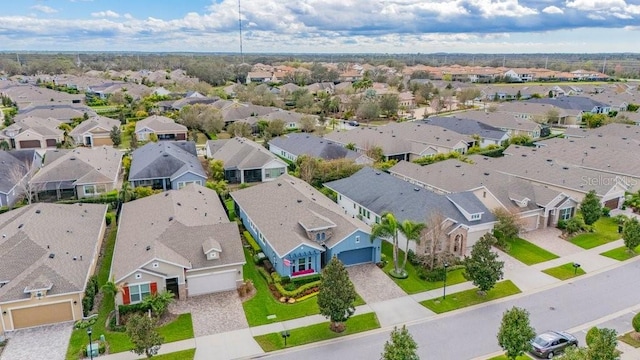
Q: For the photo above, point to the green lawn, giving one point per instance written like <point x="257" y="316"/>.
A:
<point x="528" y="253"/>
<point x="317" y="332"/>
<point x="605" y="230"/>
<point x="178" y="355"/>
<point x="629" y="340"/>
<point x="125" y="139"/>
<point x="179" y="329"/>
<point x="621" y="253"/>
<point x="504" y="357"/>
<point x="564" y="272"/>
<point x="470" y="297"/>
<point x="413" y="284"/>
<point x="105" y="267"/>
<point x="105" y="109"/>
<point x="230" y="208"/>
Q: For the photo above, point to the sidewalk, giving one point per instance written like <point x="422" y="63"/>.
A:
<point x="241" y="344"/>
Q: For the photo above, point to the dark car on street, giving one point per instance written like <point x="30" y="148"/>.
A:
<point x="551" y="343"/>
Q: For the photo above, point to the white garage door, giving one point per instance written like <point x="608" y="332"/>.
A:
<point x="210" y="283"/>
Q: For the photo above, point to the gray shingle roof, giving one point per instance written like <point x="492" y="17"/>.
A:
<point x="30" y="234"/>
<point x="277" y="208"/>
<point x="570" y="102"/>
<point x="380" y="192"/>
<point x="94" y="122"/>
<point x="501" y="120"/>
<point x="159" y="124"/>
<point x="62" y="112"/>
<point x="306" y="144"/>
<point x="240" y="153"/>
<point x="175" y="224"/>
<point x="467" y="127"/>
<point x="164" y="159"/>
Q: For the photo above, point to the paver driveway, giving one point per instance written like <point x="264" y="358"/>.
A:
<point x="213" y="313"/>
<point x="45" y="342"/>
<point x="549" y="239"/>
<point x="373" y="284"/>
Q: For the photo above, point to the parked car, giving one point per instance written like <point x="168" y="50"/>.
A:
<point x="354" y="123"/>
<point x="551" y="343"/>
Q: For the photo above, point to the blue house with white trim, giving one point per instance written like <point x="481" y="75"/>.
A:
<point x="299" y="229"/>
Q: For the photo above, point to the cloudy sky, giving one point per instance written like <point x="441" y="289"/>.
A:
<point x="302" y="26"/>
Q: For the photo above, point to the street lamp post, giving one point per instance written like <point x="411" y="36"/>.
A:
<point x="444" y="289"/>
<point x="90" y="346"/>
<point x="575" y="268"/>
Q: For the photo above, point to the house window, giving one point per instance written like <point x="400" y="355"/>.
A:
<point x="377" y="219"/>
<point x="565" y="214"/>
<point x="138" y="292"/>
<point x="261" y="238"/>
<point x="89" y="189"/>
<point x="304" y="263"/>
<point x="357" y="239"/>
<point x="273" y="173"/>
<point x="182" y="184"/>
<point x="475" y="216"/>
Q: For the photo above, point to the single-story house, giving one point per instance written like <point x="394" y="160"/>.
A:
<point x="47" y="254"/>
<point x="164" y="127"/>
<point x="300" y="230"/>
<point x="18" y="166"/>
<point x="370" y="193"/>
<point x="166" y="165"/>
<point x="95" y="131"/>
<point x="179" y="241"/>
<point x="79" y="173"/>
<point x="292" y="145"/>
<point x="34" y="133"/>
<point x="245" y="161"/>
<point x="487" y="134"/>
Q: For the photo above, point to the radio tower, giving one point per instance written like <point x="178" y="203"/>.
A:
<point x="240" y="29"/>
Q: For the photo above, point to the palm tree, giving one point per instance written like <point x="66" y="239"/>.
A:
<point x="388" y="229"/>
<point x="411" y="231"/>
<point x="111" y="289"/>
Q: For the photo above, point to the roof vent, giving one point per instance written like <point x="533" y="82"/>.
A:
<point x="148" y="247"/>
<point x="279" y="184"/>
<point x="20" y="226"/>
<point x="549" y="160"/>
<point x="179" y="204"/>
<point x="299" y="201"/>
<point x="72" y="158"/>
<point x="624" y="138"/>
<point x="38" y="211"/>
<point x="565" y="168"/>
<point x="524" y="155"/>
<point x="52" y="255"/>
<point x="378" y="173"/>
<point x="486" y="174"/>
<point x="593" y="147"/>
<point x="75" y="258"/>
<point x="416" y="189"/>
<point x="170" y="218"/>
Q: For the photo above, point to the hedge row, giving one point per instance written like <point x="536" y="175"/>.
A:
<point x="265" y="274"/>
<point x="251" y="241"/>
<point x="301" y="291"/>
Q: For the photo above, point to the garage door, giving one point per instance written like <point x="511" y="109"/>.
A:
<point x="612" y="204"/>
<point x="210" y="283"/>
<point x="102" y="141"/>
<point x="29" y="144"/>
<point x="359" y="256"/>
<point x="42" y="315"/>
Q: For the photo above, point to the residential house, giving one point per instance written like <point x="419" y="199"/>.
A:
<point x="77" y="173"/>
<point x="245" y="161"/>
<point x="540" y="111"/>
<point x="482" y="134"/>
<point x="576" y="103"/>
<point x="96" y="131"/>
<point x="166" y="165"/>
<point x="25" y="95"/>
<point x="18" y="166"/>
<point x="47" y="254"/>
<point x="179" y="241"/>
<point x="62" y="112"/>
<point x="407" y="100"/>
<point x="259" y="77"/>
<point x="300" y="230"/>
<point x="506" y="122"/>
<point x="370" y="193"/>
<point x="293" y="145"/>
<point x="536" y="206"/>
<point x="403" y="141"/>
<point x="34" y="133"/>
<point x="164" y="128"/>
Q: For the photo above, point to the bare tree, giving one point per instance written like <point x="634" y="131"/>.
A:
<point x="435" y="239"/>
<point x="21" y="174"/>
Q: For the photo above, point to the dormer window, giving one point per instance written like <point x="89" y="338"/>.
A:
<point x="476" y="216"/>
<point x="211" y="249"/>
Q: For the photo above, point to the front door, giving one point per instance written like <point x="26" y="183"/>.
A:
<point x="172" y="286"/>
<point x="87" y="141"/>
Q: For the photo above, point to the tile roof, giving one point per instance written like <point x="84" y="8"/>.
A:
<point x="380" y="192"/>
<point x="31" y="233"/>
<point x="241" y="153"/>
<point x="277" y="208"/>
<point x="165" y="159"/>
<point x="173" y="227"/>
<point x="79" y="166"/>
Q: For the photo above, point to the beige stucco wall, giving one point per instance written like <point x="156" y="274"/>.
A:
<point x="236" y="268"/>
<point x="6" y="323"/>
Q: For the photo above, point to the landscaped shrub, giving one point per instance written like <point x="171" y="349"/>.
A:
<point x="591" y="335"/>
<point x="574" y="225"/>
<point x="265" y="274"/>
<point x="252" y="242"/>
<point x="276" y="277"/>
<point x="109" y="218"/>
<point x="83" y="324"/>
<point x="562" y="224"/>
<point x="89" y="295"/>
<point x="636" y="322"/>
<point x="299" y="281"/>
<point x="606" y="212"/>
<point x="258" y="258"/>
<point x="301" y="291"/>
<point x="308" y="296"/>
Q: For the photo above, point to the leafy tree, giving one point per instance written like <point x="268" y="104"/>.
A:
<point x="368" y="110"/>
<point x="401" y="346"/>
<point x="575" y="353"/>
<point x="144" y="191"/>
<point x="4" y="145"/>
<point x="158" y="302"/>
<point x="552" y="116"/>
<point x="507" y="227"/>
<point x="350" y="146"/>
<point x="153" y="137"/>
<point x="336" y="295"/>
<point x="468" y="94"/>
<point x="388" y="229"/>
<point x="483" y="267"/>
<point x="631" y="234"/>
<point x="219" y="187"/>
<point x="590" y="208"/>
<point x="276" y="127"/>
<point x="133" y="142"/>
<point x="239" y="129"/>
<point x="515" y="332"/>
<point x="603" y="345"/>
<point x="111" y="289"/>
<point x="389" y="104"/>
<point x="411" y="231"/>
<point x="216" y="167"/>
<point x="307" y="124"/>
<point x="523" y="140"/>
<point x="202" y="117"/>
<point x="116" y="136"/>
<point x="142" y="333"/>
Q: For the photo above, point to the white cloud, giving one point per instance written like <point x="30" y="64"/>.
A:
<point x="552" y="10"/>
<point x="508" y="8"/>
<point x="127" y="16"/>
<point x="105" y="14"/>
<point x="595" y="5"/>
<point x="44" y="9"/>
<point x="595" y="17"/>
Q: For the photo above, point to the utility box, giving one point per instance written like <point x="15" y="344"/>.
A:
<point x="92" y="350"/>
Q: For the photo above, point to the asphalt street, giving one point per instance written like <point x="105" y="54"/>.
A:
<point x="471" y="333"/>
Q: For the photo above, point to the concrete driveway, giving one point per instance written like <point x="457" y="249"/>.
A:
<point x="213" y="313"/>
<point x="44" y="342"/>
